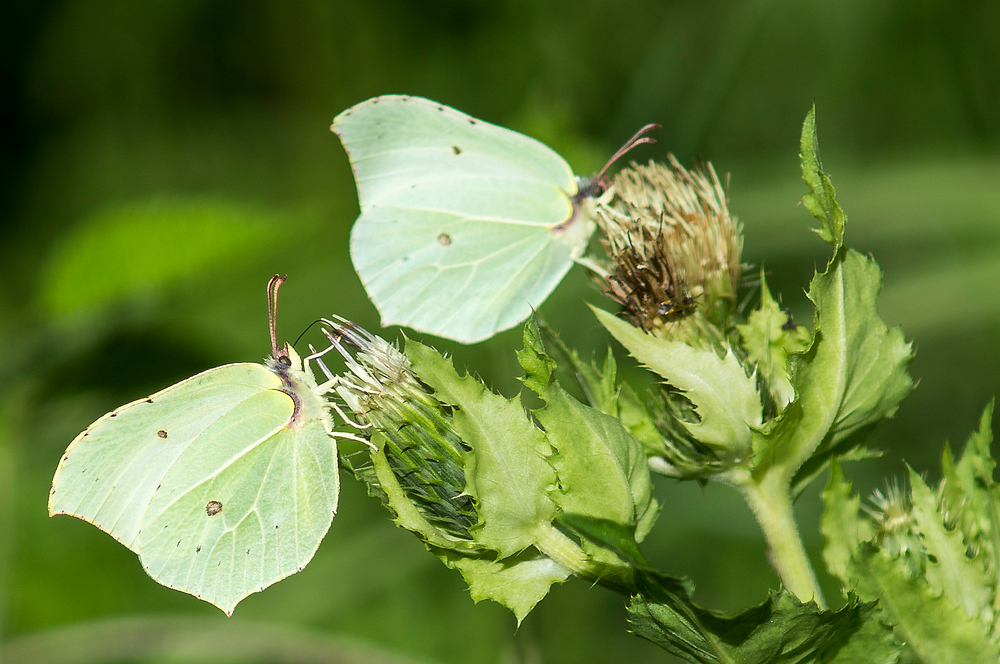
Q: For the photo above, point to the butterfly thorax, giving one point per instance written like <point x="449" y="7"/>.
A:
<point x="300" y="385"/>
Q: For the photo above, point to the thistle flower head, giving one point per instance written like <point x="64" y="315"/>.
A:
<point x="397" y="414"/>
<point x="673" y="248"/>
<point x="891" y="512"/>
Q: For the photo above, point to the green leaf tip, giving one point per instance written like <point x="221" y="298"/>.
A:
<point x="820" y="201"/>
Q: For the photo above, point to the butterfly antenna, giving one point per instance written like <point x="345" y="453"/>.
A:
<point x="637" y="139"/>
<point x="299" y="338"/>
<point x="272" y="310"/>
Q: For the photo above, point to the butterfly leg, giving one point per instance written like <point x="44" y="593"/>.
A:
<point x="330" y="431"/>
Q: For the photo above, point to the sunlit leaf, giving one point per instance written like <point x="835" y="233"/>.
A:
<point x="724" y="397"/>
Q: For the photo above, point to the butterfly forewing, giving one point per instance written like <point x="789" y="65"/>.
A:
<point x="212" y="481"/>
<point x="109" y="474"/>
<point x="461" y="223"/>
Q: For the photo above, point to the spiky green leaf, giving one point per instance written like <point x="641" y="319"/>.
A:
<point x="962" y="579"/>
<point x="931" y="625"/>
<point x="601" y="467"/>
<point x="971" y="499"/>
<point x="781" y="629"/>
<point x="778" y="631"/>
<point x="507" y="472"/>
<point x="724" y="397"/>
<point x="853" y="376"/>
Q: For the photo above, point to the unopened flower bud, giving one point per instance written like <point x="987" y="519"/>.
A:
<point x="396" y="414"/>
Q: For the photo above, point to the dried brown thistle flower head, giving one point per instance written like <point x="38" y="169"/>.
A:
<point x="673" y="248"/>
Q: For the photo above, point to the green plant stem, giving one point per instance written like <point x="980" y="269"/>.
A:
<point x="771" y="502"/>
<point x="564" y="551"/>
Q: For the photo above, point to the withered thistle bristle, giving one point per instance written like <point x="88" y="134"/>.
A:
<point x="672" y="246"/>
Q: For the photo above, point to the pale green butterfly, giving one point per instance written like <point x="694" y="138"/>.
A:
<point x="222" y="484"/>
<point x="465" y="226"/>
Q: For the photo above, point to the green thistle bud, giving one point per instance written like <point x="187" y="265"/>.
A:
<point x="400" y="419"/>
<point x="673" y="250"/>
<point x="891" y="512"/>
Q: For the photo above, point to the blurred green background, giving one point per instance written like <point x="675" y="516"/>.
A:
<point x="160" y="160"/>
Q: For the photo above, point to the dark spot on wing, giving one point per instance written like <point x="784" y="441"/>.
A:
<point x="213" y="507"/>
<point x="457" y="150"/>
<point x="113" y="415"/>
<point x="198" y="550"/>
<point x="441" y="108"/>
<point x="471" y="121"/>
<point x="444" y="239"/>
<point x="149" y="401"/>
<point x="161" y="433"/>
<point x="248" y="552"/>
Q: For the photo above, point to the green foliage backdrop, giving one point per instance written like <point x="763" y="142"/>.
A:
<point x="160" y="160"/>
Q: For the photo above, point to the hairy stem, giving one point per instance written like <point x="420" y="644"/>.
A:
<point x="771" y="502"/>
<point x="564" y="551"/>
<point x="568" y="553"/>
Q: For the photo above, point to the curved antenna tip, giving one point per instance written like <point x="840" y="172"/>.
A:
<point x="272" y="311"/>
<point x="638" y="138"/>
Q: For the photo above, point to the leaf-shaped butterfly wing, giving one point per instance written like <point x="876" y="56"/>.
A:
<point x="223" y="483"/>
<point x="465" y="226"/>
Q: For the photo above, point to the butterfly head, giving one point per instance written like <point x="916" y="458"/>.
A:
<point x="596" y="185"/>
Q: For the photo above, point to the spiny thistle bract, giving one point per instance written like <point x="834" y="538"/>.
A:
<point x="395" y="412"/>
